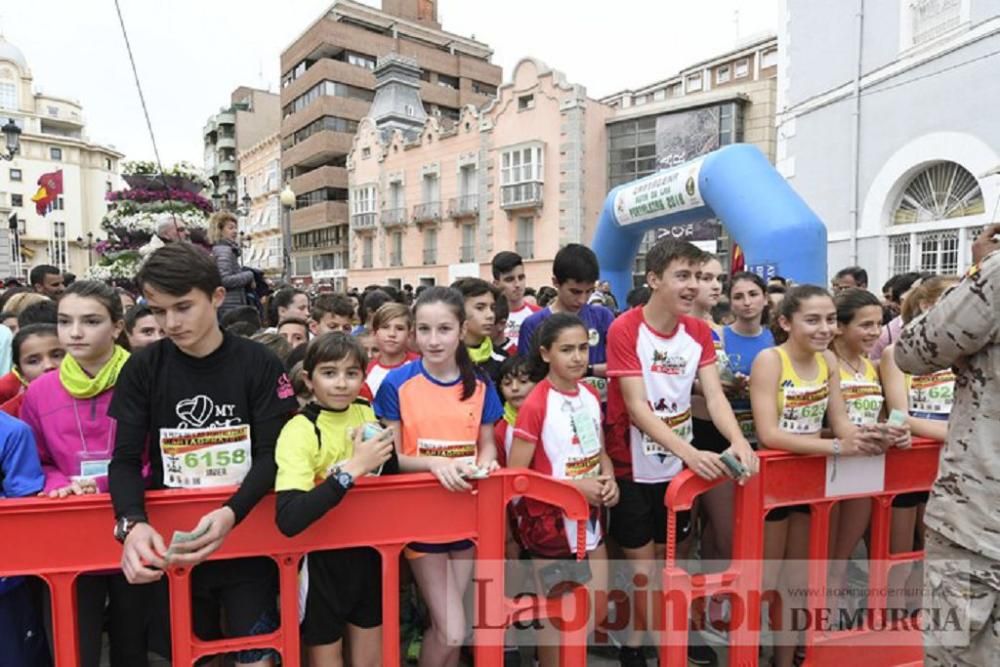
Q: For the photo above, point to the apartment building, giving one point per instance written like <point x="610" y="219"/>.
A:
<point x="252" y="115"/>
<point x="327" y="87"/>
<point x="260" y="223"/>
<point x="434" y="202"/>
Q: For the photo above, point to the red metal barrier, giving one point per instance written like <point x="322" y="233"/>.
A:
<point x="787" y="479"/>
<point x="60" y="539"/>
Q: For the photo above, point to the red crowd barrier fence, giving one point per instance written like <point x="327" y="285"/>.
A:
<point x="58" y="540"/>
<point x="785" y="480"/>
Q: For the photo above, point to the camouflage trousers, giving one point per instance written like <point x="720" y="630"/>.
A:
<point x="961" y="623"/>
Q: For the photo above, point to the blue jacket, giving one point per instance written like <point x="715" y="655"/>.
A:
<point x="20" y="471"/>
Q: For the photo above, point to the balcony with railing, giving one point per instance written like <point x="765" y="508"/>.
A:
<point x="467" y="253"/>
<point x="427" y="212"/>
<point x="430" y="256"/>
<point x="521" y="196"/>
<point x="364" y="221"/>
<point x="394" y="217"/>
<point x="466" y="206"/>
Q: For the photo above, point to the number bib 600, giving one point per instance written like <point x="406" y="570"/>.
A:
<point x="206" y="457"/>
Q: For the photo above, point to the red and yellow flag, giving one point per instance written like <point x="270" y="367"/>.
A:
<point x="738" y="261"/>
<point x="50" y="186"/>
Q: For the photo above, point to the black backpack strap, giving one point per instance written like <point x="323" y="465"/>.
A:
<point x="311" y="412"/>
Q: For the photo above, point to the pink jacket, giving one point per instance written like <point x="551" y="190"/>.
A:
<point x="74" y="436"/>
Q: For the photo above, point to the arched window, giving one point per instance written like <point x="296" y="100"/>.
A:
<point x="942" y="191"/>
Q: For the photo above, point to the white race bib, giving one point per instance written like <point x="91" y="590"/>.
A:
<point x="863" y="400"/>
<point x="932" y="396"/>
<point x="804" y="409"/>
<point x="205" y="457"/>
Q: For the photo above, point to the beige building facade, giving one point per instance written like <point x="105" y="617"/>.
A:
<point x="260" y="222"/>
<point x="526" y="173"/>
<point x="53" y="137"/>
<point x="327" y="87"/>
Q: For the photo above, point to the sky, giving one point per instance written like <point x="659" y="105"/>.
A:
<point x="191" y="54"/>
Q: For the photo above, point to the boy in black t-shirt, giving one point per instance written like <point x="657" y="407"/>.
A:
<point x="228" y="398"/>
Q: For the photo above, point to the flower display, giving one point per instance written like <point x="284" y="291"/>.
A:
<point x="135" y="213"/>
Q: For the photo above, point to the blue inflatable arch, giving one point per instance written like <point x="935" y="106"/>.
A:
<point x="778" y="233"/>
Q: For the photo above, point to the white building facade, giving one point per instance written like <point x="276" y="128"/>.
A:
<point x="53" y="138"/>
<point x="885" y="127"/>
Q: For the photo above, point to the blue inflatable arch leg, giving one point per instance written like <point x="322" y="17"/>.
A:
<point x="777" y="231"/>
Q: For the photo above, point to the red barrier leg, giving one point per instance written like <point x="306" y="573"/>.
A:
<point x="66" y="640"/>
<point x="288" y="633"/>
<point x="390" y="602"/>
<point x="181" y="634"/>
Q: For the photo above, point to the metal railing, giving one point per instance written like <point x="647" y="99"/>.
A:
<point x="468" y="253"/>
<point x="427" y="212"/>
<point x="464" y="206"/>
<point x="430" y="256"/>
<point x="393" y="217"/>
<point x="526" y="249"/>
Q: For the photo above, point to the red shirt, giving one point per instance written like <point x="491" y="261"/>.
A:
<point x="10" y="387"/>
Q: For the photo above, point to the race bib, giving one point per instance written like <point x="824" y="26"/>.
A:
<point x="600" y="385"/>
<point x="864" y="402"/>
<point x="681" y="425"/>
<point x="745" y="419"/>
<point x="450" y="449"/>
<point x="581" y="467"/>
<point x="931" y="396"/>
<point x="205" y="457"/>
<point x="804" y="409"/>
<point x="586" y="433"/>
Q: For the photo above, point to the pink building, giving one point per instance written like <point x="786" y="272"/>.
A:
<point x="436" y="202"/>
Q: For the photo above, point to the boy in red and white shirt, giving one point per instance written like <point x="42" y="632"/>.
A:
<point x="391" y="327"/>
<point x="655" y="354"/>
<point x="508" y="275"/>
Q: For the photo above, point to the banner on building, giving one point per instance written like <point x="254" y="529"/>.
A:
<point x="685" y="135"/>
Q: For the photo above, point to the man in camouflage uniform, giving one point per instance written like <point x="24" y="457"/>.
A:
<point x="962" y="557"/>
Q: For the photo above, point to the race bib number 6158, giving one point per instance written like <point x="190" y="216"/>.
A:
<point x="207" y="457"/>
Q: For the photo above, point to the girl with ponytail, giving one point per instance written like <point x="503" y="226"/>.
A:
<point x="442" y="413"/>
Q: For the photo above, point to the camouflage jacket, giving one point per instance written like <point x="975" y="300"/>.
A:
<point x="965" y="325"/>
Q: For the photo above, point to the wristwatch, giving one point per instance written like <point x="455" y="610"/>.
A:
<point x="344" y="478"/>
<point x="124" y="526"/>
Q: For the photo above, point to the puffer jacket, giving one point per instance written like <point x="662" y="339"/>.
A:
<point x="234" y="279"/>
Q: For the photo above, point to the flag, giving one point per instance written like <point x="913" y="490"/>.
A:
<point x="737" y="260"/>
<point x="50" y="186"/>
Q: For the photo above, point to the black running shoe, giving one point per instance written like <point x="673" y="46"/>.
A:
<point x="701" y="655"/>
<point x="629" y="656"/>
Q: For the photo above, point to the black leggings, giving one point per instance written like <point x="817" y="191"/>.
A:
<point x="128" y="616"/>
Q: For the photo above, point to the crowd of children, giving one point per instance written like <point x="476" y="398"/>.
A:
<point x="456" y="381"/>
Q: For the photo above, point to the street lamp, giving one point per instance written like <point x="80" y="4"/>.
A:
<point x="12" y="137"/>
<point x="287" y="199"/>
<point x="89" y="245"/>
